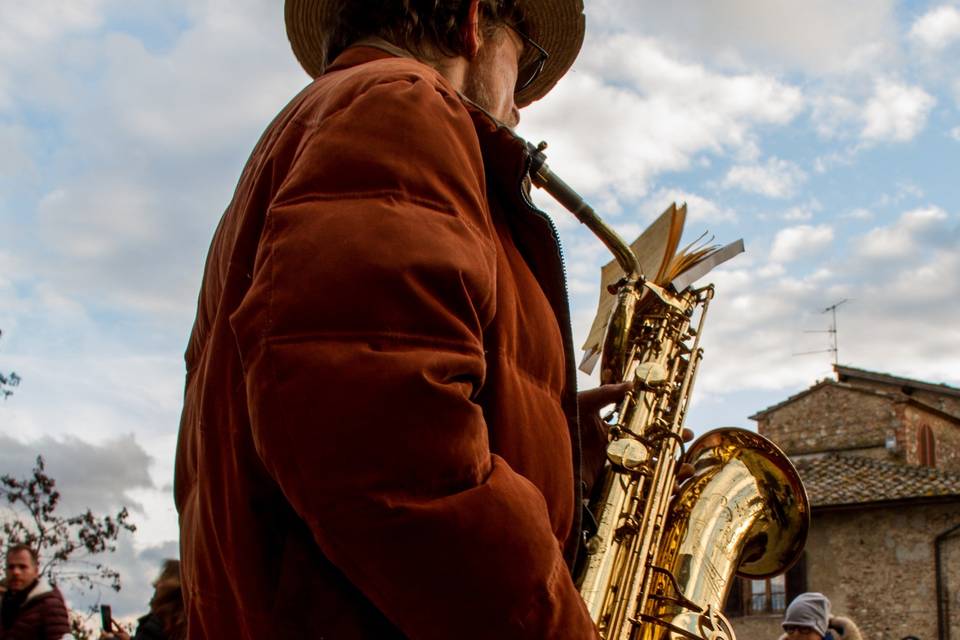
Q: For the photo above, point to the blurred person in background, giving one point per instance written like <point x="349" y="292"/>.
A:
<point x="809" y="617"/>
<point x="165" y="620"/>
<point x="30" y="608"/>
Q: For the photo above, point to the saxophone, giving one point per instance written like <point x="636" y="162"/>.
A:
<point x="661" y="561"/>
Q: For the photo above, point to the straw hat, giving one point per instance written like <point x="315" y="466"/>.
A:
<point x="556" y="25"/>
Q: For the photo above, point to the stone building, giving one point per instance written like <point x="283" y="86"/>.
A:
<point x="880" y="458"/>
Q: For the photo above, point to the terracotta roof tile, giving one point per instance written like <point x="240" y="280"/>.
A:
<point x="835" y="479"/>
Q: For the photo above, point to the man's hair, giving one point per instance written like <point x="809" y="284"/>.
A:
<point x="18" y="548"/>
<point x="422" y="27"/>
<point x="167" y="601"/>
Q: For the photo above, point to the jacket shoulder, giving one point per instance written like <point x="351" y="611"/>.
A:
<point x="149" y="627"/>
<point x="341" y="87"/>
<point x="53" y="609"/>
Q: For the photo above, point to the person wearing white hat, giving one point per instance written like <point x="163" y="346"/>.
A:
<point x="381" y="433"/>
<point x="809" y="617"/>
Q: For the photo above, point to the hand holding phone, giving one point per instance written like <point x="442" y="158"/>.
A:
<point x="106" y="618"/>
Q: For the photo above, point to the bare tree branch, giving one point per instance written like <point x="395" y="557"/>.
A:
<point x="65" y="544"/>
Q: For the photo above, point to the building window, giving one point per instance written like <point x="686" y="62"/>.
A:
<point x="767" y="596"/>
<point x="926" y="446"/>
<point x="750" y="597"/>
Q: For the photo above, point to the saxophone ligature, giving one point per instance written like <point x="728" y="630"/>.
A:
<point x="661" y="561"/>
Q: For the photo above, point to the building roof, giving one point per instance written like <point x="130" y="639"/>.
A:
<point x="819" y="385"/>
<point x="895" y="395"/>
<point x="845" y="373"/>
<point x="842" y="479"/>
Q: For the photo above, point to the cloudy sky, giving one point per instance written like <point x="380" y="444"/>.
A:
<point x="826" y="134"/>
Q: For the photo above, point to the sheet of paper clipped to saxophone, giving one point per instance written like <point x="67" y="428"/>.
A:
<point x="653" y="249"/>
<point x="661" y="262"/>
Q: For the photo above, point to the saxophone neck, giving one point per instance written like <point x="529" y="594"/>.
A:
<point x="543" y="178"/>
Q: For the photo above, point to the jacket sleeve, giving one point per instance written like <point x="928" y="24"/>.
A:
<point x="361" y="338"/>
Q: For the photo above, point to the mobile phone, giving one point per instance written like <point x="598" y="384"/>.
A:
<point x="106" y="617"/>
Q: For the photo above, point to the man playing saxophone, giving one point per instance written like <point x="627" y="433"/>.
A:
<point x="380" y="435"/>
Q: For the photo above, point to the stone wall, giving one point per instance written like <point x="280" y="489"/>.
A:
<point x="877" y="566"/>
<point x="948" y="448"/>
<point x="831" y="417"/>
<point x="762" y="627"/>
<point x="946" y="432"/>
<point x="950" y="565"/>
<point x="946" y="403"/>
<point x="835" y="416"/>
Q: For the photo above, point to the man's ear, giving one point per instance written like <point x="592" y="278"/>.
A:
<point x="470" y="31"/>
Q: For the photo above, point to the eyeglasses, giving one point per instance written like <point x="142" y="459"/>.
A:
<point x="529" y="72"/>
<point x="790" y="629"/>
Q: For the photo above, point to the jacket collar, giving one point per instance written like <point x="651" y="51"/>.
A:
<point x="370" y="49"/>
<point x="41" y="587"/>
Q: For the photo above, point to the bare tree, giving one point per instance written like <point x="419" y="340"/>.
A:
<point x="69" y="546"/>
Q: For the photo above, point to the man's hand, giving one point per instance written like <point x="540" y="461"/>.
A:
<point x="116" y="634"/>
<point x="594" y="432"/>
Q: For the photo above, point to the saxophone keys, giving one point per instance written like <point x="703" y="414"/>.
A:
<point x="628" y="454"/>
<point x="651" y="373"/>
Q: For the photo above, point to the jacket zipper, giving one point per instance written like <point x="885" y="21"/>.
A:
<point x="571" y="369"/>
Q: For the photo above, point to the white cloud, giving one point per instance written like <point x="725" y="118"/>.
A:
<point x="833" y="114"/>
<point x="776" y="179"/>
<point x="156" y="103"/>
<point x="817" y="36"/>
<point x="92" y="222"/>
<point x="803" y="212"/>
<point x="756" y="326"/>
<point x="15" y="161"/>
<point x="906" y="236"/>
<point x="28" y="27"/>
<point x="955" y="133"/>
<point x="150" y="139"/>
<point x="905" y="315"/>
<point x="896" y="112"/>
<point x="909" y="314"/>
<point x="23" y="25"/>
<point x="796" y="242"/>
<point x="938" y="28"/>
<point x="700" y="210"/>
<point x="904" y="190"/>
<point x="859" y="214"/>
<point x="835" y="159"/>
<point x="932" y="281"/>
<point x="88" y="475"/>
<point x="797" y="214"/>
<point x="629" y="111"/>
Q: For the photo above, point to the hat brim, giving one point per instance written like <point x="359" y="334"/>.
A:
<point x="556" y="25"/>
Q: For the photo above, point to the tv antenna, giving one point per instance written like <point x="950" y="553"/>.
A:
<point x="834" y="348"/>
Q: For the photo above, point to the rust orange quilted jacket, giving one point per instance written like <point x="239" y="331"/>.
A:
<point x="379" y="431"/>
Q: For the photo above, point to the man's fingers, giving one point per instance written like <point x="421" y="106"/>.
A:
<point x="594" y="399"/>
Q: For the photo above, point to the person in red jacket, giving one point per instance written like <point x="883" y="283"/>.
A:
<point x="30" y="609"/>
<point x="381" y="435"/>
